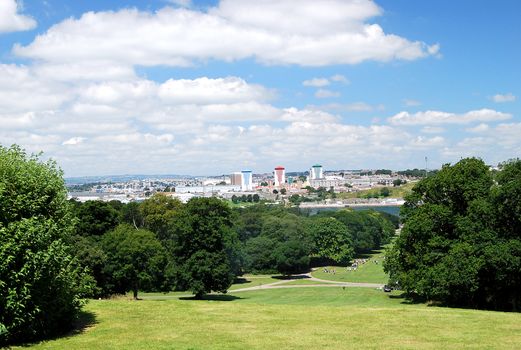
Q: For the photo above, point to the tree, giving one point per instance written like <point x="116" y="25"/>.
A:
<point x="399" y="182"/>
<point x="460" y="243"/>
<point x="385" y="192"/>
<point x="283" y="191"/>
<point x="291" y="257"/>
<point x="41" y="286"/>
<point x="331" y="240"/>
<point x="275" y="191"/>
<point x="157" y="211"/>
<point x="135" y="260"/>
<point x="256" y="198"/>
<point x="95" y="218"/>
<point x="200" y="255"/>
<point x="131" y="214"/>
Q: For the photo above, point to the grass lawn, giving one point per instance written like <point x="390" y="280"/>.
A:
<point x="247" y="281"/>
<point x="368" y="272"/>
<point x="297" y="318"/>
<point x="395" y="192"/>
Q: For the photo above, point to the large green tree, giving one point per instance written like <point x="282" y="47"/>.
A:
<point x="135" y="260"/>
<point x="41" y="286"/>
<point x="201" y="258"/>
<point x="331" y="240"/>
<point x="95" y="218"/>
<point x="461" y="241"/>
<point x="157" y="211"/>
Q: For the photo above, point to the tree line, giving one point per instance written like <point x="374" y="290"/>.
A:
<point x="461" y="240"/>
<point x="55" y="253"/>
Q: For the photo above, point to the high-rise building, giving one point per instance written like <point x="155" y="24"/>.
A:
<point x="236" y="179"/>
<point x="246" y="180"/>
<point x="316" y="172"/>
<point x="280" y="175"/>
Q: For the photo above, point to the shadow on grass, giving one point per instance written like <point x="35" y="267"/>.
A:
<point x="290" y="277"/>
<point x="241" y="280"/>
<point x="368" y="254"/>
<point x="213" y="297"/>
<point x="85" y="320"/>
<point x="407" y="300"/>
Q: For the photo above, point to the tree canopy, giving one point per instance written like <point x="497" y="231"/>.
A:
<point x="461" y="240"/>
<point x="201" y="259"/>
<point x="135" y="260"/>
<point x="41" y="286"/>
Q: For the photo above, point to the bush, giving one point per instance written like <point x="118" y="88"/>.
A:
<point x="40" y="283"/>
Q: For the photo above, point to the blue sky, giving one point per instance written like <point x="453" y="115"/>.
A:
<point x="211" y="87"/>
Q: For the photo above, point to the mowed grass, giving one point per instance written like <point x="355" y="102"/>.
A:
<point x="296" y="318"/>
<point x="370" y="272"/>
<point x="248" y="281"/>
<point x="395" y="192"/>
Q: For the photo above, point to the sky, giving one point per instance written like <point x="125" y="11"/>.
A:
<point x="212" y="87"/>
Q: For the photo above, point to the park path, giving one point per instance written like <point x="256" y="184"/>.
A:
<point x="307" y="277"/>
<point x="281" y="284"/>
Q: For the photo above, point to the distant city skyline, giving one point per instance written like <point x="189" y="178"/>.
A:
<point x="211" y="87"/>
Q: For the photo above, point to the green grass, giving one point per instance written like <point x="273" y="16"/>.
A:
<point x="395" y="192"/>
<point x="248" y="281"/>
<point x="368" y="272"/>
<point x="303" y="281"/>
<point x="297" y="318"/>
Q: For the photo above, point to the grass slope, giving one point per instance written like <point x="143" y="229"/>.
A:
<point x="395" y="192"/>
<point x="298" y="318"/>
<point x="368" y="272"/>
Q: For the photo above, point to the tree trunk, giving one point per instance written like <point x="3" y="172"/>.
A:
<point x="135" y="290"/>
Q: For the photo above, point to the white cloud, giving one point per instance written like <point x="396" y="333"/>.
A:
<point x="339" y="78"/>
<point x="432" y="130"/>
<point x="11" y="20"/>
<point x="211" y="91"/>
<point x="325" y="93"/>
<point x="349" y="107"/>
<point x="316" y="82"/>
<point x="479" y="128"/>
<point x="273" y="32"/>
<point x="321" y="82"/>
<point x="74" y="141"/>
<point x="437" y="117"/>
<point x="499" y="98"/>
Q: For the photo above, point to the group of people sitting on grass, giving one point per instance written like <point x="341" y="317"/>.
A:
<point x="354" y="265"/>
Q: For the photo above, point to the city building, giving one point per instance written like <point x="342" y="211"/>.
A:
<point x="236" y="179"/>
<point x="280" y="175"/>
<point x="316" y="172"/>
<point x="246" y="180"/>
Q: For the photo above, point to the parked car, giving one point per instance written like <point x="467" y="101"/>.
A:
<point x="387" y="288"/>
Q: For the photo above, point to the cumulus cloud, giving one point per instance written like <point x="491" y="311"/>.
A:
<point x="321" y="82"/>
<point x="432" y="130"/>
<point x="438" y="117"/>
<point x="479" y="128"/>
<point x="339" y="78"/>
<point x="11" y="20"/>
<point x="325" y="93"/>
<point x="499" y="98"/>
<point x="211" y="91"/>
<point x="273" y="32"/>
<point x="316" y="82"/>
